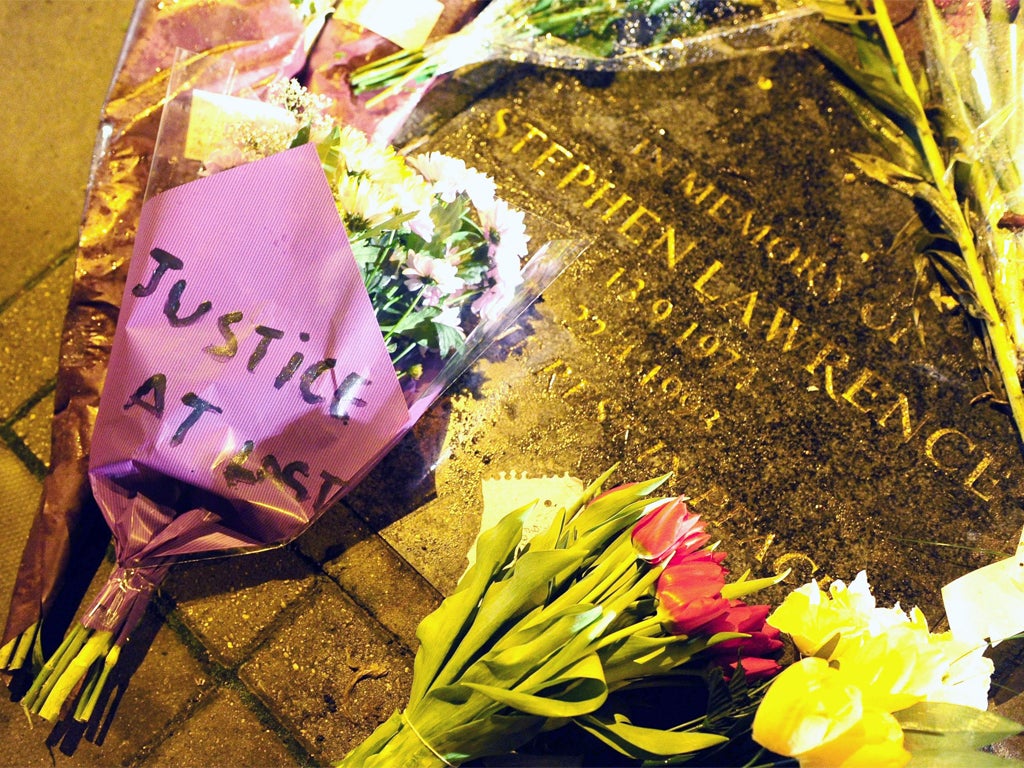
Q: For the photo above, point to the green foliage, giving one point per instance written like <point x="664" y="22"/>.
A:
<point x="957" y="158"/>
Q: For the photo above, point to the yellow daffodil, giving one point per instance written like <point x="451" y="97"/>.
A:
<point x="813" y="617"/>
<point x="815" y="713"/>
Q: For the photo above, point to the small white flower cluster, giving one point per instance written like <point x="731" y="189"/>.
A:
<point x="503" y="227"/>
<point x="439" y="251"/>
<point x="437" y="247"/>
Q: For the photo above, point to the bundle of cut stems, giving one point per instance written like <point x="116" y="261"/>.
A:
<point x="960" y="158"/>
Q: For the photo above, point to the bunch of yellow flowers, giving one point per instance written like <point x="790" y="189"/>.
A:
<point x="861" y="664"/>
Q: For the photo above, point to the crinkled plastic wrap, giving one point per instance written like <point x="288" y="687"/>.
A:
<point x="194" y="452"/>
<point x="264" y="40"/>
<point x="623" y="37"/>
<point x="260" y="41"/>
<point x="249" y="384"/>
<point x="730" y="29"/>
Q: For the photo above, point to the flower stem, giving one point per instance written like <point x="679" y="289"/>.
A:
<point x="94" y="686"/>
<point x="54" y="666"/>
<point x="96" y="646"/>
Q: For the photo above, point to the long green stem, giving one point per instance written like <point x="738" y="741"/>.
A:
<point x="97" y="645"/>
<point x="1000" y="336"/>
<point x="54" y="666"/>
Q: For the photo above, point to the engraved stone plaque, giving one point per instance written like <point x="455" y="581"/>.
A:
<point x="747" y="317"/>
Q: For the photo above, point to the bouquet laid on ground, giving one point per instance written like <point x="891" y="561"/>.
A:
<point x="285" y="320"/>
<point x="583" y="34"/>
<point x="953" y="141"/>
<point x="623" y="593"/>
<point x="874" y="687"/>
<point x="619" y="591"/>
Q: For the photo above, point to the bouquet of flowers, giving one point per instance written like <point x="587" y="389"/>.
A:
<point x="286" y="319"/>
<point x="623" y="593"/>
<point x="619" y="591"/>
<point x="582" y="34"/>
<point x="874" y="687"/>
<point x="953" y="141"/>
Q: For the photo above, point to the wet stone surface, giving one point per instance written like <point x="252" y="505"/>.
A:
<point x="743" y="317"/>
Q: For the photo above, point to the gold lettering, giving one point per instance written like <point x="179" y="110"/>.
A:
<point x="763" y="550"/>
<point x="578" y="387"/>
<point x="548" y="156"/>
<point x="819" y="268"/>
<point x="976" y="473"/>
<point x="654" y="156"/>
<point x="678" y="340"/>
<point x="861" y="385"/>
<point x="717" y="206"/>
<point x="711" y="418"/>
<point x="793" y="254"/>
<point x="761" y="233"/>
<point x="867" y="317"/>
<point x="902" y="405"/>
<point x="672" y="386"/>
<point x="708" y="345"/>
<point x="782" y="562"/>
<point x="688" y="184"/>
<point x="701" y="281"/>
<point x="532" y="133"/>
<point x="622" y="355"/>
<point x="668" y="237"/>
<point x="618" y="273"/>
<point x="605" y="409"/>
<point x="499" y="126"/>
<point x="633" y="219"/>
<point x="650" y="375"/>
<point x="830" y="388"/>
<point x="794" y="325"/>
<point x="656" y="448"/>
<point x="661" y="309"/>
<point x="632" y="293"/>
<point x="749" y="375"/>
<point x="824" y="354"/>
<point x="571" y="176"/>
<point x="750" y="300"/>
<point x="599" y="193"/>
<point x="940" y="434"/>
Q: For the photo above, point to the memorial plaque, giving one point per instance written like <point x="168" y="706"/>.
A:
<point x="746" y="317"/>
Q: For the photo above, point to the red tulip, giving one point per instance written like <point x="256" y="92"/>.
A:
<point x="690" y="590"/>
<point x="757" y="650"/>
<point x="754" y="668"/>
<point x="670" y="528"/>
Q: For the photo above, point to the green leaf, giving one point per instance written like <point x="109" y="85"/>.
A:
<point x="601" y="509"/>
<point x="448" y="339"/>
<point x="743" y="586"/>
<point x="579" y="690"/>
<point x="640" y="657"/>
<point x="643" y="743"/>
<point x="521" y="653"/>
<point x="942" y="726"/>
<point x="443" y="630"/>
<point x="505" y="601"/>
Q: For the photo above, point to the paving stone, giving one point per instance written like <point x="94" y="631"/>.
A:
<point x="154" y="684"/>
<point x="369" y="570"/>
<point x="53" y="91"/>
<point x="30" y="338"/>
<point x="230" y="602"/>
<point x="222" y="732"/>
<point x="34" y="429"/>
<point x="332" y="676"/>
<point x="19" y="496"/>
